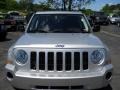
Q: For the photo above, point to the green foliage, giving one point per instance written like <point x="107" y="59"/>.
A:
<point x="41" y="7"/>
<point x="87" y="11"/>
<point x="6" y="5"/>
<point x="28" y="5"/>
<point x="111" y="8"/>
<point x="11" y="5"/>
<point x="2" y="4"/>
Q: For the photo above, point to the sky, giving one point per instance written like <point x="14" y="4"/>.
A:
<point x="98" y="4"/>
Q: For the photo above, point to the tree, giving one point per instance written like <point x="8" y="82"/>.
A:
<point x="87" y="11"/>
<point x="2" y="4"/>
<point x="41" y="7"/>
<point x="26" y="4"/>
<point x="111" y="8"/>
<point x="69" y="4"/>
<point x="11" y="4"/>
<point x="106" y="9"/>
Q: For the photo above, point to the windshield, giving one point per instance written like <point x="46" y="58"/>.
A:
<point x="14" y="14"/>
<point x="100" y="14"/>
<point x="115" y="15"/>
<point x="58" y="23"/>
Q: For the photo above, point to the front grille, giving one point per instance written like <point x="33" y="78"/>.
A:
<point x="59" y="61"/>
<point x="50" y="61"/>
<point x="33" y="60"/>
<point x="77" y="61"/>
<point x="68" y="60"/>
<point x="42" y="61"/>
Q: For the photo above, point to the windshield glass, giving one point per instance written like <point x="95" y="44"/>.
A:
<point x="58" y="23"/>
<point x="14" y="14"/>
<point x="100" y="14"/>
<point x="115" y="15"/>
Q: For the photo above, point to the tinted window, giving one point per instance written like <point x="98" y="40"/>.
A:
<point x="100" y="14"/>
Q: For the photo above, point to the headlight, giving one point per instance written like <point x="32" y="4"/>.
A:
<point x="21" y="56"/>
<point x="98" y="56"/>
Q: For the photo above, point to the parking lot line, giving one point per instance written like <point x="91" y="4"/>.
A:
<point x="111" y="34"/>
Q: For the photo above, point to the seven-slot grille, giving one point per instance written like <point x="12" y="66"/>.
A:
<point x="59" y="61"/>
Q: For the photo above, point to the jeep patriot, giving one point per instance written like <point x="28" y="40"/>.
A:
<point x="59" y="51"/>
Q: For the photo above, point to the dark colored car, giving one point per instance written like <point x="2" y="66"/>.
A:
<point x="13" y="20"/>
<point x="93" y="24"/>
<point x="100" y="18"/>
<point x="3" y="32"/>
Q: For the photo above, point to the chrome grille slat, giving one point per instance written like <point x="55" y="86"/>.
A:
<point x="59" y="60"/>
<point x="46" y="61"/>
<point x="81" y="62"/>
<point x="37" y="61"/>
<point x="63" y="66"/>
<point x="55" y="63"/>
<point x="72" y="64"/>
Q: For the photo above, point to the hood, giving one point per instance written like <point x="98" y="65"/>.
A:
<point x="61" y="40"/>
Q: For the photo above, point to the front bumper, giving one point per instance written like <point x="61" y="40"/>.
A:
<point x="31" y="80"/>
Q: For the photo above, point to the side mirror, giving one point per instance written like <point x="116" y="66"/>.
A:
<point x="96" y="28"/>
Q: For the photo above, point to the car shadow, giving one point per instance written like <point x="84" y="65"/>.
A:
<point x="7" y="39"/>
<point x="106" y="88"/>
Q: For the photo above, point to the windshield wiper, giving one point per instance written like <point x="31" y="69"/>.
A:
<point x="37" y="31"/>
<point x="65" y="31"/>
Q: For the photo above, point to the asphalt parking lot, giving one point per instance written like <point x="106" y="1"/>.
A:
<point x="110" y="35"/>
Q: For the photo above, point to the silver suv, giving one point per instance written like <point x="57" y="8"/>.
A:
<point x="59" y="51"/>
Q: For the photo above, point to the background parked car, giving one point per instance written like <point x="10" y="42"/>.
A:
<point x="14" y="21"/>
<point x="93" y="24"/>
<point x="3" y="32"/>
<point x="100" y="18"/>
<point x="114" y="18"/>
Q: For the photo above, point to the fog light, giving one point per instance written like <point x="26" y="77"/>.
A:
<point x="108" y="76"/>
<point x="9" y="76"/>
<point x="8" y="62"/>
